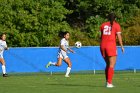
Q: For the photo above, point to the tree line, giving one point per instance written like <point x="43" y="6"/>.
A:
<point x="36" y="23"/>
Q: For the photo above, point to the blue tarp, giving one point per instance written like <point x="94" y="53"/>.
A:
<point x="34" y="59"/>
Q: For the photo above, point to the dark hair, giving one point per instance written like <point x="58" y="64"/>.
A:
<point x="1" y="34"/>
<point x="62" y="33"/>
<point x="111" y="18"/>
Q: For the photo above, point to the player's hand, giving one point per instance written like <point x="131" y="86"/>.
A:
<point x="122" y="49"/>
<point x="7" y="48"/>
<point x="72" y="51"/>
<point x="67" y="51"/>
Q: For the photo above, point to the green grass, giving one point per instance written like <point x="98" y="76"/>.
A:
<point x="77" y="83"/>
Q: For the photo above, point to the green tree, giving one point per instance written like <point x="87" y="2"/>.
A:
<point x="26" y="19"/>
<point x="38" y="22"/>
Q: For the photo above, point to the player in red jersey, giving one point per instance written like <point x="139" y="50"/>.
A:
<point x="109" y="31"/>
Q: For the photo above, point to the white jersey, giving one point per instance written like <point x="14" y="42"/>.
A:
<point x="65" y="44"/>
<point x="61" y="52"/>
<point x="3" y="45"/>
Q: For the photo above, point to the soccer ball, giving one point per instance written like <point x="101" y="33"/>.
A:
<point x="78" y="44"/>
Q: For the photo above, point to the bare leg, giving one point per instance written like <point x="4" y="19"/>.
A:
<point x="59" y="62"/>
<point x="68" y="62"/>
<point x="3" y="65"/>
<point x="112" y="61"/>
<point x="2" y="61"/>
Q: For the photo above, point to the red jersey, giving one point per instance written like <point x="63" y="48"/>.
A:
<point x="108" y="38"/>
<point x="108" y="34"/>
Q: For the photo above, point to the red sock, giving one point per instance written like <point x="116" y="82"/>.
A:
<point x="106" y="73"/>
<point x="110" y="75"/>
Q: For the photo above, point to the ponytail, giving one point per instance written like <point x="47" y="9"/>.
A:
<point x="62" y="34"/>
<point x="111" y="18"/>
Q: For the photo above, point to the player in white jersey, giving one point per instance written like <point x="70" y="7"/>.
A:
<point x="62" y="53"/>
<point x="3" y="46"/>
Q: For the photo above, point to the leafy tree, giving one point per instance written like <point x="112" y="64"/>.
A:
<point x="26" y="19"/>
<point x="30" y="23"/>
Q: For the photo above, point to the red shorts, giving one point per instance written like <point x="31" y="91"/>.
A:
<point x="108" y="51"/>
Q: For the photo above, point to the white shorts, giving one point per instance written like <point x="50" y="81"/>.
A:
<point x="1" y="55"/>
<point x="62" y="54"/>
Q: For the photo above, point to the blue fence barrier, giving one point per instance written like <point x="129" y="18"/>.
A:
<point x="85" y="58"/>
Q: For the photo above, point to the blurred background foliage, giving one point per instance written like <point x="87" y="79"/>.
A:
<point x="36" y="23"/>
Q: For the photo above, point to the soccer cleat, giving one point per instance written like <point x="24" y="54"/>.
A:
<point x="5" y="75"/>
<point x="49" y="64"/>
<point x="67" y="76"/>
<point x="109" y="85"/>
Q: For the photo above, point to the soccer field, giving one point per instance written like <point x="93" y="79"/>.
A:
<point x="77" y="83"/>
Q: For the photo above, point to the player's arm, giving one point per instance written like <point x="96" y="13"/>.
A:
<point x="100" y="33"/>
<point x="70" y="50"/>
<point x="62" y="47"/>
<point x="6" y="48"/>
<point x="120" y="40"/>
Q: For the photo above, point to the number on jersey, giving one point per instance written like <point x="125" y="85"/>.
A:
<point x="107" y="30"/>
